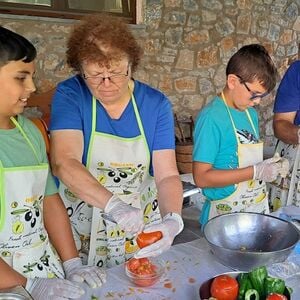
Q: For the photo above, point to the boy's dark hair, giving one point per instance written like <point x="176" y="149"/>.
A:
<point x="15" y="47"/>
<point x="253" y="62"/>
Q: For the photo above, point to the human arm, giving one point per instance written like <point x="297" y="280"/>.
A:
<point x="215" y="160"/>
<point x="66" y="155"/>
<point x="58" y="227"/>
<point x="61" y="237"/>
<point x="170" y="199"/>
<point x="206" y="176"/>
<point x="287" y="105"/>
<point x="285" y="129"/>
<point x="167" y="181"/>
<point x="39" y="288"/>
<point x="267" y="170"/>
<point x="10" y="277"/>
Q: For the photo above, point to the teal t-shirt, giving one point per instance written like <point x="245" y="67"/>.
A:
<point x="215" y="142"/>
<point x="15" y="151"/>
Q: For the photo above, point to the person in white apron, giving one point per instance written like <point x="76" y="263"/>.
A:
<point x="112" y="147"/>
<point x="32" y="217"/>
<point x="286" y="122"/>
<point x="228" y="156"/>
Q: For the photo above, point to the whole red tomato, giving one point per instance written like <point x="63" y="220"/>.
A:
<point x="275" y="296"/>
<point x="224" y="287"/>
<point x="144" y="239"/>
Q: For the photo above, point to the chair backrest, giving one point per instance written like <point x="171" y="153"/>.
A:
<point x="43" y="102"/>
<point x="42" y="126"/>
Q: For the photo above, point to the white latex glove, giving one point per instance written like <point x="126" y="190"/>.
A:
<point x="53" y="289"/>
<point x="269" y="169"/>
<point x="76" y="271"/>
<point x="285" y="166"/>
<point x="171" y="225"/>
<point x="129" y="218"/>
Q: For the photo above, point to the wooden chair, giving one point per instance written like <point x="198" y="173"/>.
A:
<point x="42" y="126"/>
<point x="43" y="102"/>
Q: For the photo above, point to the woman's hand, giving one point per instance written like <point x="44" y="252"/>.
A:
<point x="171" y="225"/>
<point x="129" y="218"/>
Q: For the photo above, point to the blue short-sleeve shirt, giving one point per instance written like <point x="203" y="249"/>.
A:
<point x="288" y="93"/>
<point x="72" y="109"/>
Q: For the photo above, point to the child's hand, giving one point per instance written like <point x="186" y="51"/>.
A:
<point x="269" y="169"/>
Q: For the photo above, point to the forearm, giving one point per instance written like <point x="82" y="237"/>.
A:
<point x="170" y="195"/>
<point x="220" y="178"/>
<point x="10" y="277"/>
<point x="58" y="226"/>
<point x="82" y="183"/>
<point x="286" y="131"/>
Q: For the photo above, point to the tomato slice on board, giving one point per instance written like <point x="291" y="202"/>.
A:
<point x="224" y="287"/>
<point x="275" y="296"/>
<point x="147" y="238"/>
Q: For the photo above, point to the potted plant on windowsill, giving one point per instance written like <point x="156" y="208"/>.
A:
<point x="184" y="144"/>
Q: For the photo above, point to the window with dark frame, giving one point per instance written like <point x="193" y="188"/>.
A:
<point x="70" y="9"/>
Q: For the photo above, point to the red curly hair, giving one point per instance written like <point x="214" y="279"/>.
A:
<point x="98" y="31"/>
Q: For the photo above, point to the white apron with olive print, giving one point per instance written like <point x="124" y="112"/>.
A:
<point x="250" y="195"/>
<point x="122" y="166"/>
<point x="24" y="243"/>
<point x="286" y="191"/>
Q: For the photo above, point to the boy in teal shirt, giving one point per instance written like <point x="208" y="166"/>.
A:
<point x="228" y="156"/>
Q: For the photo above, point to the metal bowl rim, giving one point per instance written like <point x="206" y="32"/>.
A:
<point x="13" y="295"/>
<point x="252" y="252"/>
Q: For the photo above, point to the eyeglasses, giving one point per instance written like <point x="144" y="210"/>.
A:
<point x="253" y="94"/>
<point x="114" y="78"/>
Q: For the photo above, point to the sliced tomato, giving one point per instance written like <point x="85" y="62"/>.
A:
<point x="143" y="266"/>
<point x="147" y="238"/>
<point x="145" y="269"/>
<point x="144" y="261"/>
<point x="224" y="287"/>
<point x="133" y="264"/>
<point x="275" y="296"/>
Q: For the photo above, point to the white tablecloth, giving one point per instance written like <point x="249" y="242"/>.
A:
<point x="188" y="266"/>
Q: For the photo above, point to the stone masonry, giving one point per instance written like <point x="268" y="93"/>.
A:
<point x="187" y="44"/>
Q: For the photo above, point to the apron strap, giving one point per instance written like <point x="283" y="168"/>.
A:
<point x="289" y="200"/>
<point x="138" y="118"/>
<point x="2" y="204"/>
<point x="26" y="137"/>
<point x="232" y="122"/>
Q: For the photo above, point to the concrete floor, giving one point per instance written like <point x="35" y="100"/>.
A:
<point x="191" y="229"/>
<point x="190" y="214"/>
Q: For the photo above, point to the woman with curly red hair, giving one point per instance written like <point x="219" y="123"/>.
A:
<point x="112" y="147"/>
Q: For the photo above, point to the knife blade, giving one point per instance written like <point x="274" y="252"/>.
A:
<point x="108" y="217"/>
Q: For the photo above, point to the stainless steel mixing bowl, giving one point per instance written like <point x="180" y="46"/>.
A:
<point x="243" y="240"/>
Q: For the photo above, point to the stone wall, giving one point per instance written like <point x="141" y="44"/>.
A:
<point x="187" y="44"/>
